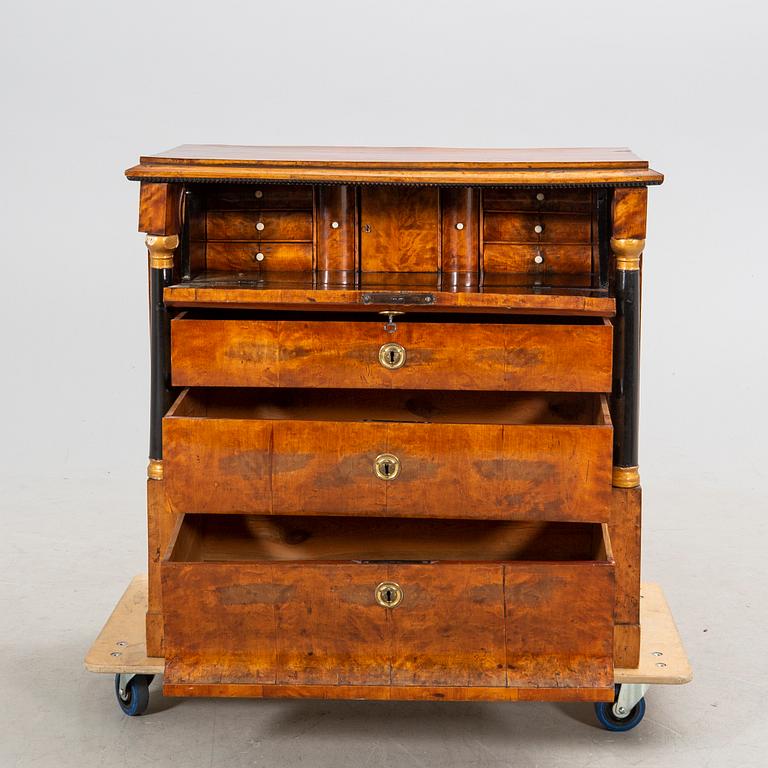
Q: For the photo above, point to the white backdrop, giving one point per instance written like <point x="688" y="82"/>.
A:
<point x="88" y="86"/>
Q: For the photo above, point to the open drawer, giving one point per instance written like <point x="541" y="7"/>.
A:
<point x="231" y="349"/>
<point x="394" y="452"/>
<point x="381" y="604"/>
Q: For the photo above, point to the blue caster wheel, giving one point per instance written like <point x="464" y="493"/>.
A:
<point x="133" y="696"/>
<point x="612" y="720"/>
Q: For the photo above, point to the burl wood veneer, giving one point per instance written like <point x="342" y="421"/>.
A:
<point x="394" y="417"/>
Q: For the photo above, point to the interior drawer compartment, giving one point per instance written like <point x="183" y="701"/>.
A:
<point x="260" y="225"/>
<point x="536" y="228"/>
<point x="259" y="196"/>
<point x="404" y="453"/>
<point x="324" y="601"/>
<point x="529" y="258"/>
<point x="543" y="200"/>
<point x="555" y="355"/>
<point x="257" y="257"/>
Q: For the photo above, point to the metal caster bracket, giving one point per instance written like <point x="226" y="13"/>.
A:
<point x="629" y="695"/>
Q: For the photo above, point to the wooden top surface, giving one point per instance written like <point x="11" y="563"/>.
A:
<point x="428" y="165"/>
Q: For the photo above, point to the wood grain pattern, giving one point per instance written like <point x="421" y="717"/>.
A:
<point x="278" y="226"/>
<point x="386" y="693"/>
<point x="290" y="294"/>
<point x="577" y="600"/>
<point x="398" y="164"/>
<point x="302" y="454"/>
<point x="242" y="256"/>
<point x="159" y="207"/>
<point x="629" y="213"/>
<point x="460" y="207"/>
<point x="521" y="258"/>
<point x="458" y="625"/>
<point x="336" y="228"/>
<point x="400" y="229"/>
<point x="625" y="531"/>
<point x="259" y="196"/>
<point x="306" y="353"/>
<point x="542" y="200"/>
<point x="521" y="228"/>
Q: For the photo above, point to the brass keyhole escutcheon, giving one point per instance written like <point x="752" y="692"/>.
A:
<point x="392" y="355"/>
<point x="387" y="466"/>
<point x="389" y="594"/>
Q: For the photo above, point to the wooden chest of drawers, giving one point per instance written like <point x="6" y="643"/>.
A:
<point x="393" y="434"/>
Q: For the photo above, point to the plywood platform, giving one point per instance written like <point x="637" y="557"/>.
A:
<point x="120" y="645"/>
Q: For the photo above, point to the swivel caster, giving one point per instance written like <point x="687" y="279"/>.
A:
<point x="627" y="709"/>
<point x="132" y="693"/>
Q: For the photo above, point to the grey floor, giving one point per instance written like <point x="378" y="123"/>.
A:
<point x="69" y="546"/>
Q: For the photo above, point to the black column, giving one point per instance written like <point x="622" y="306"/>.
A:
<point x="626" y="376"/>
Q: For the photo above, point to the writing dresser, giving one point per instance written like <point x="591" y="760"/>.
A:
<point x="394" y="416"/>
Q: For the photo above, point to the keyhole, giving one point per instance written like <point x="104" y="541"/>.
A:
<point x="387" y="468"/>
<point x="388" y="596"/>
<point x="392" y="356"/>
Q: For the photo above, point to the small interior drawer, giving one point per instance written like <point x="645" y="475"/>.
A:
<point x="372" y="602"/>
<point x="540" y="200"/>
<point x="544" y="259"/>
<point x="516" y="227"/>
<point x="403" y="453"/>
<point x="257" y="257"/>
<point x="260" y="225"/>
<point x="259" y="196"/>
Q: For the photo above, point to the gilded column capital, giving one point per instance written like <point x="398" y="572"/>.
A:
<point x="627" y="252"/>
<point x="161" y="248"/>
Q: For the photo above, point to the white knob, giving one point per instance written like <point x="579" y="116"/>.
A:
<point x="538" y="229"/>
<point x="260" y="225"/>
<point x="259" y="193"/>
<point x="540" y="196"/>
<point x="538" y="258"/>
<point x="459" y="226"/>
<point x="259" y="256"/>
<point x="334" y="225"/>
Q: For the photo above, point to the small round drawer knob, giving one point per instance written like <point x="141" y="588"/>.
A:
<point x="392" y="355"/>
<point x="259" y="193"/>
<point x="540" y="196"/>
<point x="538" y="259"/>
<point x="538" y="229"/>
<point x="260" y="225"/>
<point x="334" y="225"/>
<point x="386" y="466"/>
<point x="460" y="226"/>
<point x="259" y="256"/>
<point x="389" y="594"/>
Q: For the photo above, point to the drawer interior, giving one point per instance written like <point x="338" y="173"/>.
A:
<point x="259" y="538"/>
<point x="403" y="406"/>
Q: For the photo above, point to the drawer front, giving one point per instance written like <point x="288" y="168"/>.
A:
<point x="399" y="229"/>
<point x="258" y="225"/>
<point x="259" y="196"/>
<point x="539" y="200"/>
<point x="537" y="259"/>
<point x="541" y="472"/>
<point x="320" y="624"/>
<point x="537" y="228"/>
<point x="522" y="357"/>
<point x="259" y="256"/>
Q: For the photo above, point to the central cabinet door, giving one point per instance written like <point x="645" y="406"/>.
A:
<point x="400" y="229"/>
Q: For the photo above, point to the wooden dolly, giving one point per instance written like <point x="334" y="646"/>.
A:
<point x="120" y="650"/>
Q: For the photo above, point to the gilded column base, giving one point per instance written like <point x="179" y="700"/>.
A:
<point x="626" y="477"/>
<point x="155" y="469"/>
